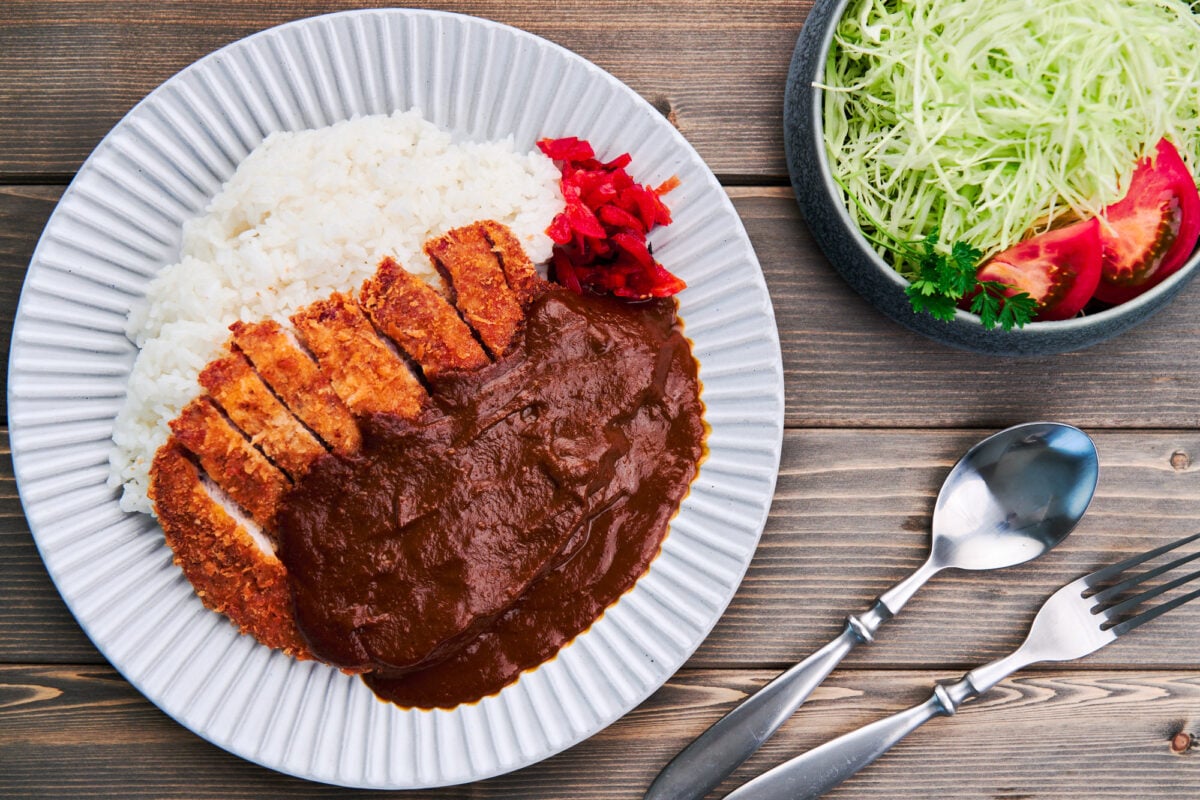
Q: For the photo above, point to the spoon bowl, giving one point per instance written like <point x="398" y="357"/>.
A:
<point x="1013" y="496"/>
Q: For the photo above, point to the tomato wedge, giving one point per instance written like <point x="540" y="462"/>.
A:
<point x="1152" y="230"/>
<point x="1060" y="269"/>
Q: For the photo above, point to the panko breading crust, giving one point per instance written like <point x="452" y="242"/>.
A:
<point x="298" y="382"/>
<point x="234" y="464"/>
<point x="251" y="406"/>
<point x="465" y="260"/>
<point x="418" y="319"/>
<point x="272" y="408"/>
<point x="229" y="571"/>
<point x="367" y="375"/>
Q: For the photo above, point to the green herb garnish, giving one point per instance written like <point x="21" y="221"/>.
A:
<point x="942" y="281"/>
<point x="936" y="283"/>
<point x="993" y="307"/>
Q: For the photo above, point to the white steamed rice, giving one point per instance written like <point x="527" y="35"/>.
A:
<point x="304" y="215"/>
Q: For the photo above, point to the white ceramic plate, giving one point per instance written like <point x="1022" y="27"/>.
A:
<point x="120" y="221"/>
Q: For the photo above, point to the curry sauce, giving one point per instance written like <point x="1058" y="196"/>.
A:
<point x="460" y="547"/>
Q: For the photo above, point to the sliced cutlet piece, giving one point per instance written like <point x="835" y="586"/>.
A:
<point x="250" y="480"/>
<point x="367" y="374"/>
<point x="522" y="276"/>
<point x="420" y="321"/>
<point x="251" y="406"/>
<point x="478" y="287"/>
<point x="230" y="571"/>
<point x="298" y="382"/>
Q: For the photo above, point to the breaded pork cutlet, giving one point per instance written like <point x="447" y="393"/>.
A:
<point x="251" y="406"/>
<point x="519" y="271"/>
<point x="366" y="374"/>
<point x="418" y="319"/>
<point x="277" y="398"/>
<point x="230" y="571"/>
<point x="234" y="464"/>
<point x="477" y="284"/>
<point x="298" y="382"/>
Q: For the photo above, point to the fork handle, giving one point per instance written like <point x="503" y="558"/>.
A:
<point x="816" y="772"/>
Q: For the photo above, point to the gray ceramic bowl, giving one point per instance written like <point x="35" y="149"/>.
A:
<point x="821" y="204"/>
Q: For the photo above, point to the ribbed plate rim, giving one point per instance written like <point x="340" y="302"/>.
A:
<point x="768" y="421"/>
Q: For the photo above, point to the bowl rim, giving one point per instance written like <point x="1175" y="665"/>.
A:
<point x="1141" y="304"/>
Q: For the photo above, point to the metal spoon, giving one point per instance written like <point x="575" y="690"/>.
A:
<point x="1011" y="498"/>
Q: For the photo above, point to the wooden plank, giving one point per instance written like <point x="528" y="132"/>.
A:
<point x="69" y="70"/>
<point x="847" y="365"/>
<point x="850" y="519"/>
<point x="1062" y="735"/>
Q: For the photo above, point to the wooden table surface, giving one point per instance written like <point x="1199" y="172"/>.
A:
<point x="875" y="417"/>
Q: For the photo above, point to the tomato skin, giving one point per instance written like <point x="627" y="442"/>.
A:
<point x="1151" y="231"/>
<point x="1060" y="269"/>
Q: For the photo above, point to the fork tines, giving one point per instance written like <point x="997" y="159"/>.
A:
<point x="1119" y="613"/>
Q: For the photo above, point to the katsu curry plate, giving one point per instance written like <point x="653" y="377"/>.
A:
<point x="386" y="419"/>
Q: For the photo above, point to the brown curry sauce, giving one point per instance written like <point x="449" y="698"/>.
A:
<point x="458" y="549"/>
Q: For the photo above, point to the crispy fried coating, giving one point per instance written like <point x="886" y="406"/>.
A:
<point x="466" y="261"/>
<point x="363" y="370"/>
<point x="522" y="276"/>
<point x="248" y="402"/>
<point x="420" y="321"/>
<point x="266" y="378"/>
<point x="234" y="464"/>
<point x="299" y="383"/>
<point x="230" y="572"/>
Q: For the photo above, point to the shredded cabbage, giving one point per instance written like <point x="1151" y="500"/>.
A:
<point x="986" y="120"/>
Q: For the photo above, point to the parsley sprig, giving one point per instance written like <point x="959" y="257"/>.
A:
<point x="942" y="281"/>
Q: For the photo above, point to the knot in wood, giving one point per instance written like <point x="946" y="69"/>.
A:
<point x="1180" y="461"/>
<point x="1182" y="742"/>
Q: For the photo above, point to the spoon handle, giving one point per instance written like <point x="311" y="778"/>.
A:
<point x="814" y="773"/>
<point x="717" y="752"/>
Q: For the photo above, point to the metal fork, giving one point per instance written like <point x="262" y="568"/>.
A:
<point x="1078" y="619"/>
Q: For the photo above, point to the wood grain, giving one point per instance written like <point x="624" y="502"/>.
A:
<point x="69" y="70"/>
<point x="70" y="730"/>
<point x="850" y="518"/>
<point x="846" y="365"/>
<point x="876" y="416"/>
